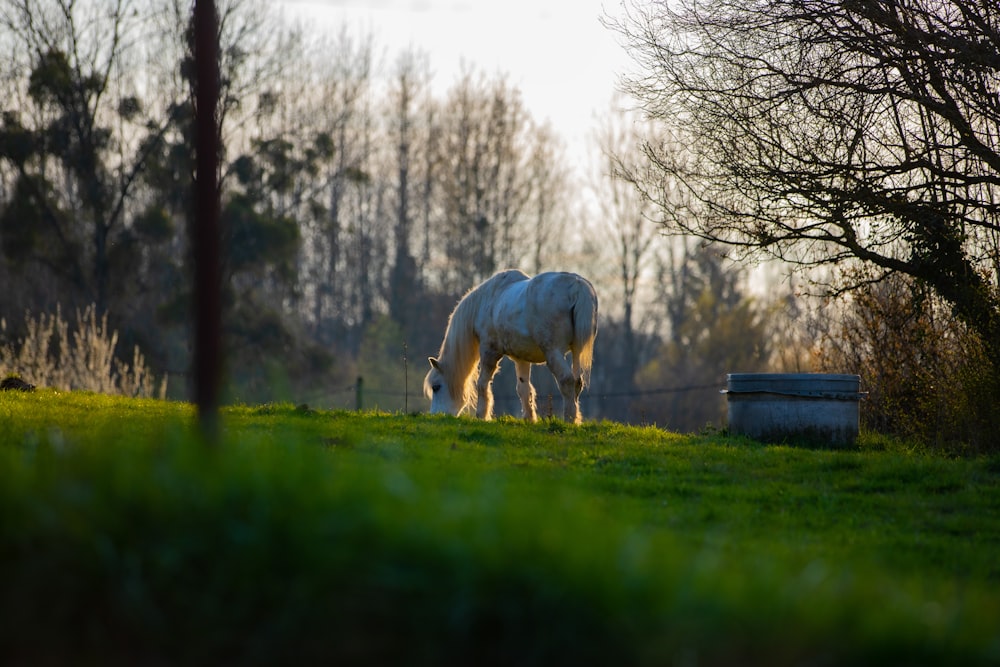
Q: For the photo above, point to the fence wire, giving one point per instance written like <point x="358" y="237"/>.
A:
<point x="361" y="395"/>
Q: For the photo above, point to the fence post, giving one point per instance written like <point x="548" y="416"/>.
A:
<point x="358" y="391"/>
<point x="205" y="234"/>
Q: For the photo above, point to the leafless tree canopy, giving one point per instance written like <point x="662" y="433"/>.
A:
<point x="820" y="131"/>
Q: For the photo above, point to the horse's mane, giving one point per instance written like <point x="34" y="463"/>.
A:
<point x="459" y="353"/>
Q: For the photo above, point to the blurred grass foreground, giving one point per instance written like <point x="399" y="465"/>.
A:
<point x="327" y="537"/>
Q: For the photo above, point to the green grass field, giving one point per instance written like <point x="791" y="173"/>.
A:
<point x="311" y="536"/>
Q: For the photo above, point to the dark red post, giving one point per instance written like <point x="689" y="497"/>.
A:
<point x="205" y="233"/>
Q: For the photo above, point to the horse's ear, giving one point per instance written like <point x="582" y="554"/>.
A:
<point x="434" y="364"/>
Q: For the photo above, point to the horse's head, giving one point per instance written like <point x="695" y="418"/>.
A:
<point x="436" y="388"/>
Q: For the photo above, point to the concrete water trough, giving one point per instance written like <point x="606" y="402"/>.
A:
<point x="814" y="408"/>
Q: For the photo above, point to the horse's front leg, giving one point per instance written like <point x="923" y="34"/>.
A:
<point x="488" y="362"/>
<point x="524" y="390"/>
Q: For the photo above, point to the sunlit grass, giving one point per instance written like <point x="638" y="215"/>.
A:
<point x="330" y="535"/>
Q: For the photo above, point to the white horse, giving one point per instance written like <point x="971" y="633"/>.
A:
<point x="532" y="321"/>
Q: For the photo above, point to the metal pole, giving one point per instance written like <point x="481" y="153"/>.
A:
<point x="205" y="236"/>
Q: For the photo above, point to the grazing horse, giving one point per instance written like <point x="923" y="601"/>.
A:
<point x="532" y="321"/>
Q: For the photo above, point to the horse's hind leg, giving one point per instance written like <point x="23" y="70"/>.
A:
<point x="577" y="376"/>
<point x="569" y="387"/>
<point x="524" y="390"/>
<point x="488" y="362"/>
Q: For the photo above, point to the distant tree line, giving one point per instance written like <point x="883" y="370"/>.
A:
<point x="346" y="198"/>
<point x="361" y="199"/>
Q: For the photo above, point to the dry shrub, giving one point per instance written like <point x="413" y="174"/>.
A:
<point x="52" y="354"/>
<point x="927" y="376"/>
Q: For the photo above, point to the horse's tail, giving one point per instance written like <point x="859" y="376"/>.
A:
<point x="584" y="329"/>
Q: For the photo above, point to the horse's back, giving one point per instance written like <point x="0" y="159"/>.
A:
<point x="526" y="315"/>
<point x="555" y="301"/>
<point x="503" y="280"/>
<point x="559" y="290"/>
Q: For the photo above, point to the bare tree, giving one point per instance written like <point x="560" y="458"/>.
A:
<point x="545" y="219"/>
<point x="410" y="80"/>
<point x="627" y="239"/>
<point x="823" y="132"/>
<point x="485" y="183"/>
<point x="342" y="87"/>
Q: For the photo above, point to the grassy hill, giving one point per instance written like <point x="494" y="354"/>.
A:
<point x="398" y="539"/>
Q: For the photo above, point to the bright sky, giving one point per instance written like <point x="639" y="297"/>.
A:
<point x="558" y="54"/>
